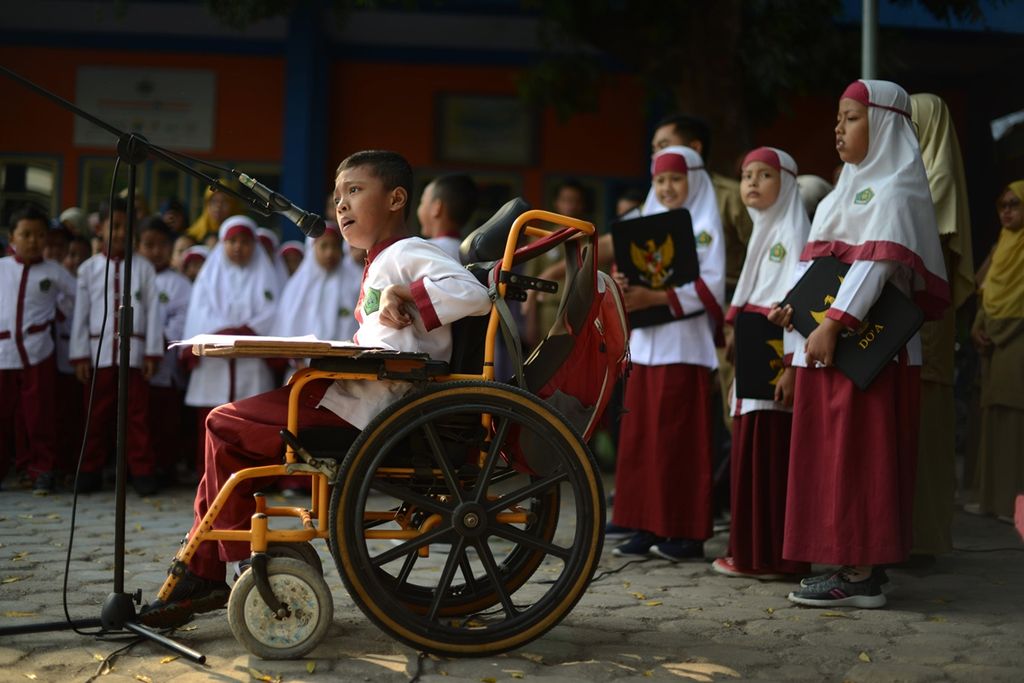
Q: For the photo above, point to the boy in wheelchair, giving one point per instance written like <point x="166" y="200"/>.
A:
<point x="411" y="293"/>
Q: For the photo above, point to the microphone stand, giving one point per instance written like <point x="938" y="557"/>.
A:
<point x="118" y="611"/>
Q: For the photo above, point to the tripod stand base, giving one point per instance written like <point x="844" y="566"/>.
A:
<point x="119" y="613"/>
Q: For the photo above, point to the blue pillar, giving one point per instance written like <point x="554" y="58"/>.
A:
<point x="304" y="175"/>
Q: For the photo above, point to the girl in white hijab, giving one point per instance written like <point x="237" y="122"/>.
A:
<point x="854" y="452"/>
<point x="761" y="428"/>
<point x="235" y="292"/>
<point x="663" y="476"/>
<point x="320" y="298"/>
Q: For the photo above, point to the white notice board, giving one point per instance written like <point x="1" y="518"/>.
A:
<point x="172" y="108"/>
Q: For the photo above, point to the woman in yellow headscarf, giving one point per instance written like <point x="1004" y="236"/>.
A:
<point x="936" y="454"/>
<point x="999" y="335"/>
<point x="216" y="207"/>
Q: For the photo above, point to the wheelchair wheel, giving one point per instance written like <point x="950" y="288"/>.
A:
<point x="268" y="635"/>
<point x="297" y="551"/>
<point x="490" y="509"/>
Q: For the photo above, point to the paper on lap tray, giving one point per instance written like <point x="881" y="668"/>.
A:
<point x="264" y="347"/>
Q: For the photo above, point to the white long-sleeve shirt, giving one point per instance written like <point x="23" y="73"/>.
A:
<point x="443" y="292"/>
<point x="173" y="292"/>
<point x="147" y="327"/>
<point x="30" y="297"/>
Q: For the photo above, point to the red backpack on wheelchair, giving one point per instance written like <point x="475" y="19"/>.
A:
<point x="577" y="364"/>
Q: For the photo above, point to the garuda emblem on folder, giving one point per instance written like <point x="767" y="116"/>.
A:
<point x="652" y="261"/>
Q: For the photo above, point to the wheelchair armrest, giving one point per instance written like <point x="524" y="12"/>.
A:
<point x="410" y="367"/>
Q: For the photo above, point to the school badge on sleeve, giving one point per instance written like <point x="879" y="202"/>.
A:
<point x="268" y="295"/>
<point x="703" y="238"/>
<point x="777" y="253"/>
<point x="45" y="284"/>
<point x="371" y="302"/>
<point x="864" y="196"/>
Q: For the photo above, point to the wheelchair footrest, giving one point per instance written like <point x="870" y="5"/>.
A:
<point x="328" y="468"/>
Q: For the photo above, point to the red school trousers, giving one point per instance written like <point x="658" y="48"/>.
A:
<point x="29" y="394"/>
<point x="102" y="427"/>
<point x="240" y="435"/>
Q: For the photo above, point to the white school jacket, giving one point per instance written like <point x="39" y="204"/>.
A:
<point x="173" y="292"/>
<point x="444" y="291"/>
<point x="31" y="295"/>
<point x="147" y="328"/>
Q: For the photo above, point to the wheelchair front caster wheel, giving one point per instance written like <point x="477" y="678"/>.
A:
<point x="270" y="635"/>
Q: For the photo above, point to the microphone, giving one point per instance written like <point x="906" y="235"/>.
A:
<point x="310" y="223"/>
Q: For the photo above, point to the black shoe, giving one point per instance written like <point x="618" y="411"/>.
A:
<point x="679" y="549"/>
<point x="89" y="482"/>
<point x="191" y="595"/>
<point x="638" y="546"/>
<point x="146" y="485"/>
<point x="840" y="591"/>
<point x="45" y="484"/>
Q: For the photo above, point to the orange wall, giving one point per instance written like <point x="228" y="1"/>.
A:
<point x="400" y="99"/>
<point x="249" y="111"/>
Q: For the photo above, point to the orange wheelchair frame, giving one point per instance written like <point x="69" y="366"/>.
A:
<point x="281" y="607"/>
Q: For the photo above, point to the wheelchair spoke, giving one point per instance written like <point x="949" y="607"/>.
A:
<point x="467" y="573"/>
<point x="403" y="575"/>
<point x="446" y="577"/>
<point x="510" y="533"/>
<point x="405" y="494"/>
<point x="493" y="456"/>
<point x="534" y="489"/>
<point x="487" y="559"/>
<point x="442" y="461"/>
<point x="410" y="546"/>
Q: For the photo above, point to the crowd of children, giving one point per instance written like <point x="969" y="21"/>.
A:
<point x="823" y="472"/>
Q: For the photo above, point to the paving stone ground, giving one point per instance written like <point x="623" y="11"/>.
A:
<point x="960" y="620"/>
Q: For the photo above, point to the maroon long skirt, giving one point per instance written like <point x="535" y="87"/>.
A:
<point x="759" y="470"/>
<point x="663" y="470"/>
<point x="852" y="464"/>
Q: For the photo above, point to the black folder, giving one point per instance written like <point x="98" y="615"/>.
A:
<point x="886" y="329"/>
<point x="758" y="347"/>
<point x="658" y="252"/>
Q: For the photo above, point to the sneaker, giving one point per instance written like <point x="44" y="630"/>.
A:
<point x="191" y="595"/>
<point x="839" y="591"/>
<point x="638" y="546"/>
<point x="679" y="549"/>
<point x="146" y="485"/>
<point x="45" y="484"/>
<point x="726" y="566"/>
<point x="877" y="573"/>
<point x="614" y="532"/>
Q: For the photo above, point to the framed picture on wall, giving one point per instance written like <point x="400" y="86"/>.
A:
<point x="485" y="129"/>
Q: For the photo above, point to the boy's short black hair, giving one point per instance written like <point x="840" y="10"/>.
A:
<point x="690" y="128"/>
<point x="120" y="205"/>
<point x="29" y="212"/>
<point x="157" y="225"/>
<point x="391" y="167"/>
<point x="459" y="194"/>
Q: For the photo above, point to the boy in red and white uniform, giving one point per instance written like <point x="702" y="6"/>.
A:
<point x="31" y="289"/>
<point x="411" y="294"/>
<point x="91" y="301"/>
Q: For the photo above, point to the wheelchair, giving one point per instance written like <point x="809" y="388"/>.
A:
<point x="467" y="518"/>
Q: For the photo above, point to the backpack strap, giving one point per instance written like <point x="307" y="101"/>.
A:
<point x="509" y="329"/>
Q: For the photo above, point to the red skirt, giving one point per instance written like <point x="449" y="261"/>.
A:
<point x="663" y="470"/>
<point x="759" y="467"/>
<point x="852" y="466"/>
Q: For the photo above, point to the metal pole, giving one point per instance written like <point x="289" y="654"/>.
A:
<point x="869" y="39"/>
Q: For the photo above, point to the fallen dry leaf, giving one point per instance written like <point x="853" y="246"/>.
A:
<point x="144" y="678"/>
<point x="536" y="659"/>
<point x="98" y="657"/>
<point x="769" y="610"/>
<point x="31" y="677"/>
<point x="12" y="579"/>
<point x="21" y="556"/>
<point x="16" y="613"/>
<point x="937" y="618"/>
<point x="488" y="680"/>
<point x="514" y="673"/>
<point x="863" y="656"/>
<point x="639" y="596"/>
<point x="653" y="603"/>
<point x="310" y="667"/>
<point x="260" y="676"/>
<point x="835" y="614"/>
<point x="168" y="659"/>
